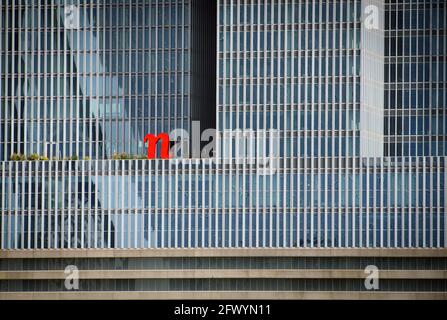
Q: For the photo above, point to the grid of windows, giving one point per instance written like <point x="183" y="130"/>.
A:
<point x="121" y="70"/>
<point x="226" y="263"/>
<point x="395" y="285"/>
<point x="416" y="74"/>
<point x="358" y="160"/>
<point x="309" y="70"/>
<point x="294" y="67"/>
<point x="140" y="203"/>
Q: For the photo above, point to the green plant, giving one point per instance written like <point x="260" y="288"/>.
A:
<point x="121" y="156"/>
<point x="33" y="157"/>
<point x="85" y="158"/>
<point x="43" y="158"/>
<point x="74" y="157"/>
<point x="17" y="157"/>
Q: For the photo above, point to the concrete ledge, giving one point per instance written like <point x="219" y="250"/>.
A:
<point x="223" y="274"/>
<point x="216" y="295"/>
<point x="224" y="252"/>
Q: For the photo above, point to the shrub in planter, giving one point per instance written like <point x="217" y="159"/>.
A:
<point x="33" y="157"/>
<point x="17" y="157"/>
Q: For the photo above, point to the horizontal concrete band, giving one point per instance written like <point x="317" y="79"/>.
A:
<point x="224" y="252"/>
<point x="216" y="295"/>
<point x="222" y="274"/>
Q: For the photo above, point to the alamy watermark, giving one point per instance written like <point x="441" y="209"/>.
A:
<point x="259" y="149"/>
<point x="371" y="19"/>
<point x="71" y="277"/>
<point x="71" y="17"/>
<point x="372" y="278"/>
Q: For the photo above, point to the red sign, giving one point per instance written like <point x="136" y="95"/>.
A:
<point x="152" y="141"/>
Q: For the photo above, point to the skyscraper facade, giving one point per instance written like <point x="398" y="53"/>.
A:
<point x="303" y="189"/>
<point x="415" y="76"/>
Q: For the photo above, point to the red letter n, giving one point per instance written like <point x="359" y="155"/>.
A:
<point x="152" y="145"/>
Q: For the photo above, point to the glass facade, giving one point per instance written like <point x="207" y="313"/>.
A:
<point x="416" y="47"/>
<point x="140" y="203"/>
<point x="289" y="66"/>
<point x="277" y="285"/>
<point x="226" y="263"/>
<point x="309" y="71"/>
<point x="96" y="87"/>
